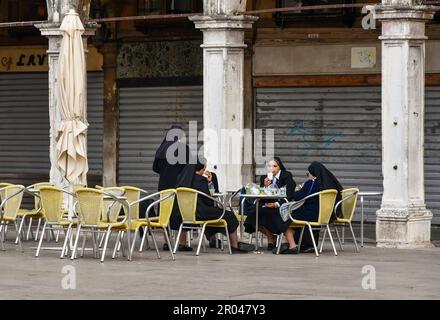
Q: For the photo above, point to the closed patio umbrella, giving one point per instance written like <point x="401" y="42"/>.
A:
<point x="71" y="139"/>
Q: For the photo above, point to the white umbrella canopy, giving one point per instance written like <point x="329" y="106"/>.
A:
<point x="71" y="139"/>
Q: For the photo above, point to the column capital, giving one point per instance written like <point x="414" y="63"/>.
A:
<point x="223" y="22"/>
<point x="53" y="29"/>
<point x="397" y="12"/>
<point x="401" y="22"/>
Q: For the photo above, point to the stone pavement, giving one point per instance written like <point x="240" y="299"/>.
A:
<point x="400" y="274"/>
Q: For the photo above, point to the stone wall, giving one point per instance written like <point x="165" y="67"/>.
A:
<point x="164" y="59"/>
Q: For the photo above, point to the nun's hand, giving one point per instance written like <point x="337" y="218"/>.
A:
<point x="267" y="182"/>
<point x="270" y="205"/>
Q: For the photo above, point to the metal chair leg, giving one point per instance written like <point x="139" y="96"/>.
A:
<point x="75" y="246"/>
<point x="165" y="231"/>
<point x="83" y="244"/>
<point x="343" y="234"/>
<point x="200" y="239"/>
<point x="354" y="237"/>
<point x="178" y="238"/>
<point x="58" y="236"/>
<point x="29" y="228"/>
<point x="66" y="240"/>
<point x="116" y="245"/>
<point x="339" y="238"/>
<point x="313" y="240"/>
<point x="229" y="240"/>
<point x="141" y="246"/>
<point x="95" y="244"/>
<point x="331" y="240"/>
<point x="170" y="235"/>
<point x="41" y="239"/>
<point x="18" y="236"/>
<point x="101" y="239"/>
<point x="2" y="235"/>
<point x="322" y="241"/>
<point x="300" y="239"/>
<point x="20" y="230"/>
<point x="134" y="241"/>
<point x="155" y="243"/>
<point x="107" y="236"/>
<point x="280" y="241"/>
<point x="122" y="244"/>
<point x="38" y="228"/>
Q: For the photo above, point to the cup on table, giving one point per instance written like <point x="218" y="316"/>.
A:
<point x="270" y="176"/>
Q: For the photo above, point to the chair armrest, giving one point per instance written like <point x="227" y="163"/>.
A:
<point x="147" y="213"/>
<point x="7" y="199"/>
<point x="124" y="203"/>
<point x="144" y="191"/>
<point x="216" y="201"/>
<point x="232" y="197"/>
<point x="344" y="199"/>
<point x="144" y="198"/>
<point x="295" y="205"/>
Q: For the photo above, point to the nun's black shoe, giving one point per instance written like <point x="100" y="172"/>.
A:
<point x="246" y="247"/>
<point x="284" y="246"/>
<point x="290" y="251"/>
<point x="235" y="250"/>
<point x="184" y="248"/>
<point x="271" y="246"/>
<point x="308" y="250"/>
<point x="165" y="247"/>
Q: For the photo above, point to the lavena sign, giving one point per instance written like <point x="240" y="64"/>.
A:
<point x="35" y="59"/>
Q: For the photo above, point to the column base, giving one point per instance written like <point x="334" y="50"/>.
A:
<point x="403" y="228"/>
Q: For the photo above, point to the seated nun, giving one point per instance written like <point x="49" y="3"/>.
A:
<point x="269" y="209"/>
<point x="193" y="177"/>
<point x="319" y="178"/>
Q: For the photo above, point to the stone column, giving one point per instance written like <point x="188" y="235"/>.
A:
<point x="403" y="220"/>
<point x="52" y="32"/>
<point x="111" y="114"/>
<point x="223" y="96"/>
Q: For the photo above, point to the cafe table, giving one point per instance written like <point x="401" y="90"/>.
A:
<point x="257" y="198"/>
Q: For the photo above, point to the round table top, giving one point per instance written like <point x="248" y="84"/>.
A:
<point x="370" y="193"/>
<point x="262" y="196"/>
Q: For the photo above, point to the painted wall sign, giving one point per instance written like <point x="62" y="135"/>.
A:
<point x="34" y="59"/>
<point x="363" y="57"/>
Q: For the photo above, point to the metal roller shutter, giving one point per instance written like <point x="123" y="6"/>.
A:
<point x="24" y="127"/>
<point x="95" y="100"/>
<point x="145" y="114"/>
<point x="341" y="127"/>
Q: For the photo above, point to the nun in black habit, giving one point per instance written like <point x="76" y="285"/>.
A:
<point x="192" y="177"/>
<point x="167" y="171"/>
<point x="319" y="178"/>
<point x="269" y="210"/>
<point x="169" y="161"/>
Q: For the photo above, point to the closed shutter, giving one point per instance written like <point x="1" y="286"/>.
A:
<point x="432" y="151"/>
<point x="145" y="115"/>
<point x="24" y="127"/>
<point x="341" y="127"/>
<point x="95" y="117"/>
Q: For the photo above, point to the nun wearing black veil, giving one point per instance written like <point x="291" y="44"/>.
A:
<point x="269" y="210"/>
<point x="192" y="177"/>
<point x="319" y="178"/>
<point x="169" y="161"/>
